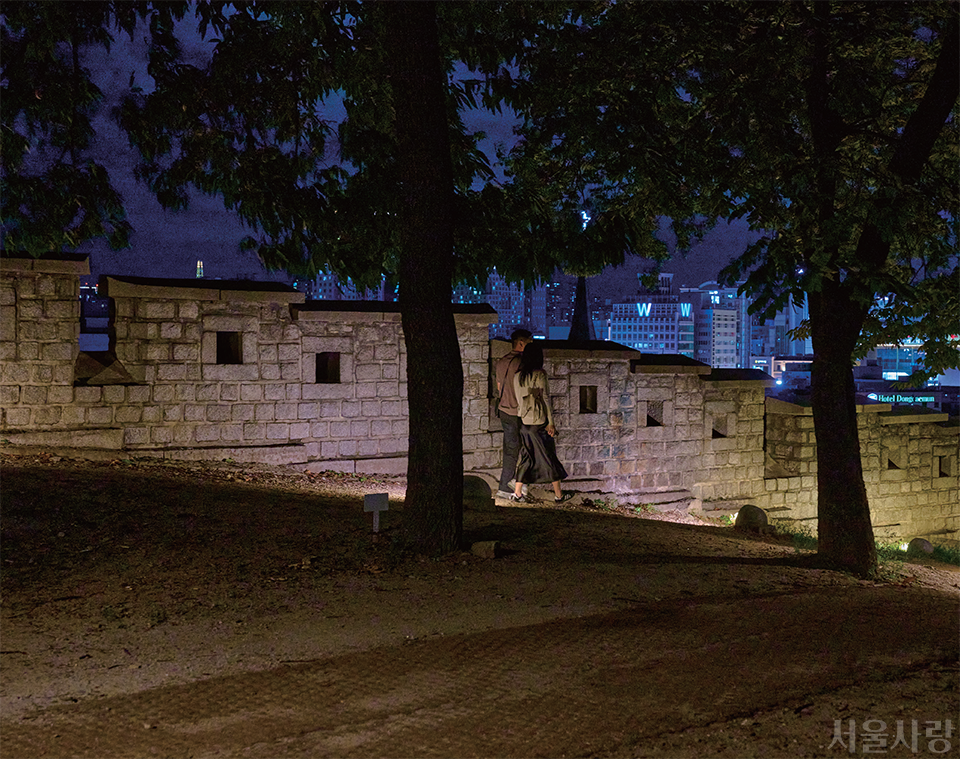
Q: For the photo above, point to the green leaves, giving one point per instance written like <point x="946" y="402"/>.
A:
<point x="53" y="196"/>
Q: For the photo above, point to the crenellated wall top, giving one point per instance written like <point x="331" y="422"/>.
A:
<point x="59" y="263"/>
<point x="199" y="289"/>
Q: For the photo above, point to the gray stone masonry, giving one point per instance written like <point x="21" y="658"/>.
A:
<point x="209" y="369"/>
<point x="248" y="371"/>
<point x="632" y="423"/>
<point x="909" y="467"/>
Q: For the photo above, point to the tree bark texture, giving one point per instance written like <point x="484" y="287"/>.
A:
<point x="844" y="527"/>
<point x="433" y="513"/>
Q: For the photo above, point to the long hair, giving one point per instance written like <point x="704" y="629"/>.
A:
<point x="531" y="360"/>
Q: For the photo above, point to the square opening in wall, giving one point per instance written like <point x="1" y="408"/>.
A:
<point x="720" y="428"/>
<point x="946" y="466"/>
<point x="229" y="348"/>
<point x="588" y="399"/>
<point x="328" y="368"/>
<point x="654" y="413"/>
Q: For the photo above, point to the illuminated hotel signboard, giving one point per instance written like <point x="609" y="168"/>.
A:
<point x="645" y="309"/>
<point x="897" y="398"/>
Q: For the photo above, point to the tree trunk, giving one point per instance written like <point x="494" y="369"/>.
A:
<point x="581" y="328"/>
<point x="845" y="532"/>
<point x="433" y="513"/>
<point x="844" y="528"/>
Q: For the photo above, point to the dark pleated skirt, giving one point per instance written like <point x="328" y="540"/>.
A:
<point x="538" y="462"/>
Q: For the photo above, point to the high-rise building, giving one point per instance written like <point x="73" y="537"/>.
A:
<point x="658" y="322"/>
<point x="723" y="327"/>
<point x="467" y="294"/>
<point x="328" y="286"/>
<point x="776" y="336"/>
<point x="716" y="337"/>
<point x="507" y="299"/>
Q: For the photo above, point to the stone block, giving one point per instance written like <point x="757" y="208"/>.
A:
<point x="188" y="310"/>
<point x="100" y="415"/>
<point x="161" y="435"/>
<point x="274" y="392"/>
<point x="184" y="434"/>
<point x="62" y="351"/>
<point x="278" y="431"/>
<point x="128" y="414"/>
<point x="33" y="395"/>
<point x="173" y="413"/>
<point x="250" y="392"/>
<point x="221" y="412"/>
<point x="286" y="411"/>
<point x="231" y="432"/>
<point x="134" y="436"/>
<point x="265" y="412"/>
<point x="231" y="372"/>
<point x="299" y="430"/>
<point x="207" y="433"/>
<point x="172" y="373"/>
<point x="254" y="431"/>
<point x="47" y="415"/>
<point x="268" y="354"/>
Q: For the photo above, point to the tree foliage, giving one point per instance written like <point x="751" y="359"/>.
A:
<point x="826" y="154"/>
<point x="850" y="159"/>
<point x="53" y="195"/>
<point x="295" y="119"/>
<point x="831" y="127"/>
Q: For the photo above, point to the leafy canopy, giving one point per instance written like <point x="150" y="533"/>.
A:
<point x="289" y="119"/>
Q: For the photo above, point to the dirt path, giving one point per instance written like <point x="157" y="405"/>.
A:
<point x="174" y="610"/>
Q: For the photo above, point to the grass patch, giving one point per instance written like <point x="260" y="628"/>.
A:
<point x="800" y="535"/>
<point x="891" y="552"/>
<point x="947" y="554"/>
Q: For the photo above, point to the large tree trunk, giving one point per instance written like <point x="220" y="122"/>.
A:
<point x="837" y="314"/>
<point x="433" y="514"/>
<point x="844" y="528"/>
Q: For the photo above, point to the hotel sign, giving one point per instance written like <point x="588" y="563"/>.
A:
<point x="897" y="398"/>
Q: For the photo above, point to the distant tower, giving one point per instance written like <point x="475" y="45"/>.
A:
<point x="199" y="269"/>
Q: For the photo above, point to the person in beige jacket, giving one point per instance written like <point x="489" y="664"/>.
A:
<point x="537" y="462"/>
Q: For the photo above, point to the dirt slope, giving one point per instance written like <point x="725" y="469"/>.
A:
<point x="134" y="585"/>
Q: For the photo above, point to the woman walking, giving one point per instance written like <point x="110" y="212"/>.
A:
<point x="538" y="462"/>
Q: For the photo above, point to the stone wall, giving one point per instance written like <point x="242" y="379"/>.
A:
<point x="909" y="467"/>
<point x="39" y="329"/>
<point x="208" y="369"/>
<point x="643" y="424"/>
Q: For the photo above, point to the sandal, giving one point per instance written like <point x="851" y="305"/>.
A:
<point x="564" y="497"/>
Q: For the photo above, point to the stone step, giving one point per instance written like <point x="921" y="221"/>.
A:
<point x="663" y="500"/>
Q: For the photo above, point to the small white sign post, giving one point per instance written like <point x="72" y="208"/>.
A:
<point x="376" y="502"/>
